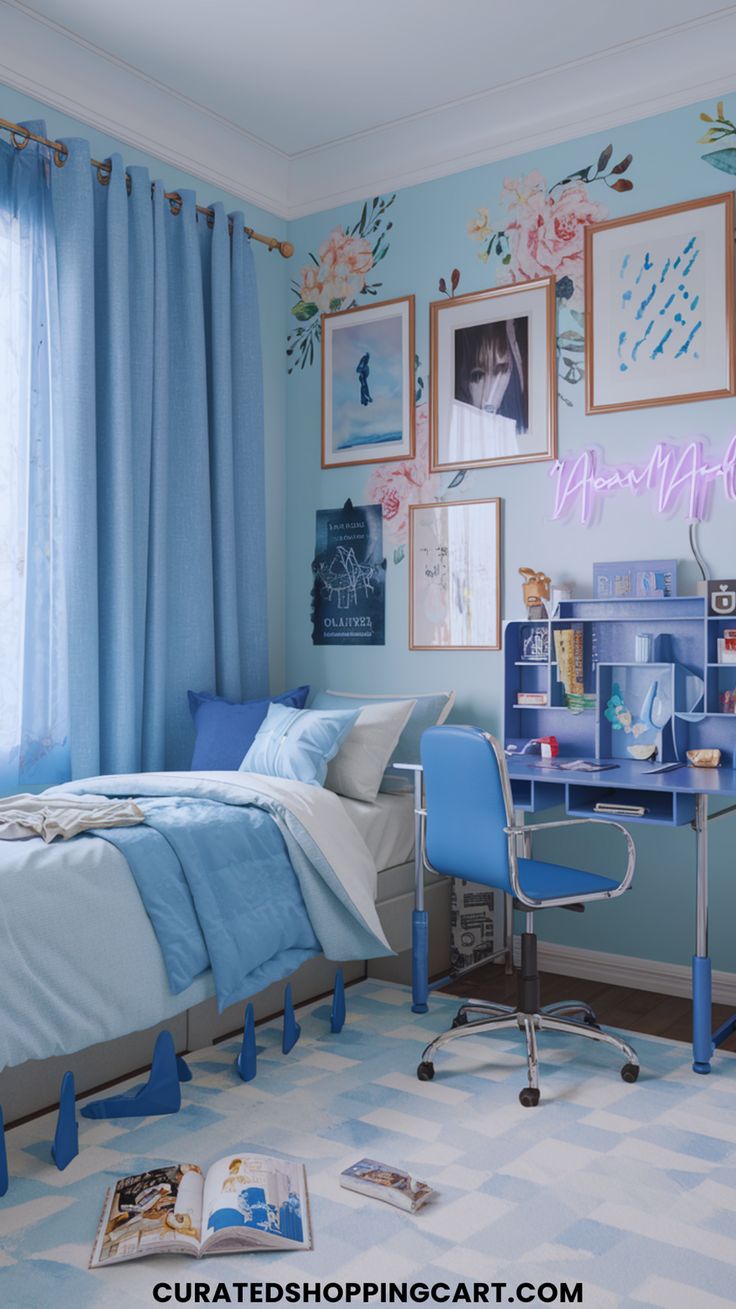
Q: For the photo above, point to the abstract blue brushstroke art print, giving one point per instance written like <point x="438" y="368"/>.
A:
<point x="368" y="384"/>
<point x="660" y="296"/>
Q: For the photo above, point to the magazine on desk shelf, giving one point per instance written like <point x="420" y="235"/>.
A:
<point x="244" y="1202"/>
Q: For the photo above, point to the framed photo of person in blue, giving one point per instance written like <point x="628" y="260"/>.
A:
<point x="368" y="384"/>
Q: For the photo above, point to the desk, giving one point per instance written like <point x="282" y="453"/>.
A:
<point x="670" y="797"/>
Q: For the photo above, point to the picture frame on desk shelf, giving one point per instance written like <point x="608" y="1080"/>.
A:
<point x="493" y="377"/>
<point x="635" y="579"/>
<point x="659" y="306"/>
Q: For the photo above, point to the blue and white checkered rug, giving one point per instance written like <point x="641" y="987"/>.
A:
<point x="630" y="1190"/>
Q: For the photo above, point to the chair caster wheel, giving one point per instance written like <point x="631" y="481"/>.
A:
<point x="529" y="1097"/>
<point x="460" y="1020"/>
<point x="630" y="1072"/>
<point x="425" y="1072"/>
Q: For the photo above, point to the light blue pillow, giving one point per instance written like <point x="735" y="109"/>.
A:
<point x="298" y="744"/>
<point x="429" y="711"/>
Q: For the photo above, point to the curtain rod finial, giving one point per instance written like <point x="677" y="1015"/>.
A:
<point x="286" y="249"/>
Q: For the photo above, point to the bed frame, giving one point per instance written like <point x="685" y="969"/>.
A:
<point x="34" y="1086"/>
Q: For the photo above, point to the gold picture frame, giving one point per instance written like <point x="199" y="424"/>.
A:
<point x="651" y="336"/>
<point x="449" y="570"/>
<point x="359" y="370"/>
<point x="493" y="377"/>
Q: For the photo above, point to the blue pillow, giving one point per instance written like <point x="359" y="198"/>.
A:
<point x="428" y="711"/>
<point x="226" y="731"/>
<point x="298" y="744"/>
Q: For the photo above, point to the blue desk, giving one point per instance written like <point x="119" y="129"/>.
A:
<point x="675" y="703"/>
<point x="670" y="798"/>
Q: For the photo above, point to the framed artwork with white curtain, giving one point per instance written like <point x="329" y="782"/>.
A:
<point x="659" y="306"/>
<point x="455" y="578"/>
<point x="493" y="377"/>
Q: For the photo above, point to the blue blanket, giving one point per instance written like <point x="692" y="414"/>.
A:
<point x="220" y="891"/>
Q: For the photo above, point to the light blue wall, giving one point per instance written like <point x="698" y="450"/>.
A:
<point x="428" y="239"/>
<point x="272" y="273"/>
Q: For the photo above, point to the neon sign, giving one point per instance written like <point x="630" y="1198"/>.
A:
<point x="681" y="477"/>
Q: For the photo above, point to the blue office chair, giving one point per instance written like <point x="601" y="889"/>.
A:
<point x="468" y="831"/>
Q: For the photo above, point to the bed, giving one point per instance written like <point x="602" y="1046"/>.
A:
<point x="79" y="901"/>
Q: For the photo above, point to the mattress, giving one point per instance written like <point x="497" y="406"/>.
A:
<point x="386" y="826"/>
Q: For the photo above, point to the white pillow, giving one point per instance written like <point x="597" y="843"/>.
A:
<point x="358" y="767"/>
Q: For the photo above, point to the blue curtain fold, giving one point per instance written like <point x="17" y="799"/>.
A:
<point x="163" y="510"/>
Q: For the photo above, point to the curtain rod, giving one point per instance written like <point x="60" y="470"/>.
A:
<point x="20" y="136"/>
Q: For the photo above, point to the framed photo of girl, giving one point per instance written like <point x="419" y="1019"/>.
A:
<point x="659" y="306"/>
<point x="455" y="575"/>
<point x="368" y="384"/>
<point x="493" y="377"/>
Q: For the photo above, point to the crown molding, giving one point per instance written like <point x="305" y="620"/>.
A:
<point x="683" y="66"/>
<point x="680" y="66"/>
<point x="44" y="60"/>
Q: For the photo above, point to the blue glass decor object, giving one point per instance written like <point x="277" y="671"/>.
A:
<point x="4" y="1180"/>
<point x="183" y="1070"/>
<point x="160" y="1095"/>
<point x="246" y="1060"/>
<point x="292" y="1030"/>
<point x="337" y="1012"/>
<point x="65" y="1146"/>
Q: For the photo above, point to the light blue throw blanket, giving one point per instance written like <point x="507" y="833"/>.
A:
<point x="232" y="880"/>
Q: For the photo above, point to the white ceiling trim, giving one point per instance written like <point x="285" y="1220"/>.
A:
<point x="691" y="62"/>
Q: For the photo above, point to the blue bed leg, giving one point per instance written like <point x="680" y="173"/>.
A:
<point x="337" y="1012"/>
<point x="419" y="961"/>
<point x="183" y="1070"/>
<point x="160" y="1095"/>
<point x="65" y="1145"/>
<point x="246" y="1060"/>
<point x="4" y="1179"/>
<point x="292" y="1030"/>
<point x="702" y="1037"/>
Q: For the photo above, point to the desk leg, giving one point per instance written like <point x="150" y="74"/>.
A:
<point x="419" y="918"/>
<point x="702" y="1030"/>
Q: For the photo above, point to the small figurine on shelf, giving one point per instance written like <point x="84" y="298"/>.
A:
<point x="535" y="592"/>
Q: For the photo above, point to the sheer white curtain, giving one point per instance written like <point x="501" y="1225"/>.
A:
<point x="33" y="656"/>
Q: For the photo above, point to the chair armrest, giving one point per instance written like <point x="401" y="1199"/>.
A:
<point x="624" y="884"/>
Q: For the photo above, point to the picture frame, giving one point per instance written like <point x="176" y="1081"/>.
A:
<point x="637" y="579"/>
<point x="368" y="364"/>
<point x="455" y="575"/>
<point x="659" y="306"/>
<point x="493" y="377"/>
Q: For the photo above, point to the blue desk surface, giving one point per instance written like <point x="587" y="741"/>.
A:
<point x="627" y="775"/>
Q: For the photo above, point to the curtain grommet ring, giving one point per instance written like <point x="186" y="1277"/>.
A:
<point x="60" y="154"/>
<point x="175" y="201"/>
<point x="20" y="138"/>
<point x="104" y="172"/>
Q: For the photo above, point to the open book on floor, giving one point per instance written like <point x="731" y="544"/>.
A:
<point x="243" y="1202"/>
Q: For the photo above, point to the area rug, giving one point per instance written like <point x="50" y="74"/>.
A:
<point x="627" y="1189"/>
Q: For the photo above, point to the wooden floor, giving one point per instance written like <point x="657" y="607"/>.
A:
<point x="616" y="1006"/>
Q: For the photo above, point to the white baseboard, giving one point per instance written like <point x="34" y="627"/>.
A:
<point x="626" y="970"/>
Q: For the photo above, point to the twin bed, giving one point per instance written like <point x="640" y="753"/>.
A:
<point x="235" y="882"/>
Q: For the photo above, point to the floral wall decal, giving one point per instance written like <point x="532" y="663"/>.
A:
<point x="336" y="276"/>
<point x="397" y="485"/>
<point x="541" y="233"/>
<point x="720" y="127"/>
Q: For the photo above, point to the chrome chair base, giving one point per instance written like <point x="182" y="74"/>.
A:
<point x="551" y="1018"/>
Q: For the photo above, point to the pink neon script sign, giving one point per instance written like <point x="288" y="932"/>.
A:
<point x="681" y="476"/>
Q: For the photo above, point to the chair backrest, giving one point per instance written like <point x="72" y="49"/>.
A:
<point x="468" y="805"/>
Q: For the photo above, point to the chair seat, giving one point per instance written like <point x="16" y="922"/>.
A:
<point x="543" y="881"/>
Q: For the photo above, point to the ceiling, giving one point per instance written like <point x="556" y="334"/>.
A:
<point x="297" y="107"/>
